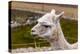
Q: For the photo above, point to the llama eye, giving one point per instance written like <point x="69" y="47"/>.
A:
<point x="46" y="26"/>
<point x="36" y="22"/>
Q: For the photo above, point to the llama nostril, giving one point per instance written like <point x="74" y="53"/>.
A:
<point x="33" y="30"/>
<point x="33" y="33"/>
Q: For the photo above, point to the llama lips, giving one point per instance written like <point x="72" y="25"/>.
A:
<point x="34" y="35"/>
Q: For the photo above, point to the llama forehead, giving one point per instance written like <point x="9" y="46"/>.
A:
<point x="47" y="18"/>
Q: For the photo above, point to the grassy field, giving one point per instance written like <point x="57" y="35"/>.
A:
<point x="21" y="37"/>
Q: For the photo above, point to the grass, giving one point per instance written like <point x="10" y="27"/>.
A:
<point x="70" y="30"/>
<point x="21" y="34"/>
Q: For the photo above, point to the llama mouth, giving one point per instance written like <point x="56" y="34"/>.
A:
<point x="35" y="35"/>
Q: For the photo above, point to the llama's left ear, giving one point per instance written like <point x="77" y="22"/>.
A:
<point x="59" y="15"/>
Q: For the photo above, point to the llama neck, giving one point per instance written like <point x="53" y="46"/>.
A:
<point x="61" y="43"/>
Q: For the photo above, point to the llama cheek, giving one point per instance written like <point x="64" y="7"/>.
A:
<point x="48" y="33"/>
<point x="42" y="30"/>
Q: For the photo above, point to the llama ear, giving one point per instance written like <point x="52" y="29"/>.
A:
<point x="58" y="16"/>
<point x="53" y="11"/>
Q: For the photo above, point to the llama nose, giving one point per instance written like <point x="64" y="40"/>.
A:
<point x="34" y="33"/>
<point x="33" y="30"/>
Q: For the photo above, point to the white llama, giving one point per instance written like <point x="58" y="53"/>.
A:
<point x="48" y="27"/>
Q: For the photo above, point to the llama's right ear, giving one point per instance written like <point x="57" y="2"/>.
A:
<point x="53" y="11"/>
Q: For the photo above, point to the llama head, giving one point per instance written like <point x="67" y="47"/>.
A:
<point x="46" y="26"/>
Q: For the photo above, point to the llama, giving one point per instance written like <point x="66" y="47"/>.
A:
<point x="48" y="27"/>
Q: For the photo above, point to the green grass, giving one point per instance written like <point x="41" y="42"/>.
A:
<point x="70" y="30"/>
<point x="21" y="34"/>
